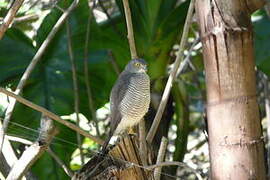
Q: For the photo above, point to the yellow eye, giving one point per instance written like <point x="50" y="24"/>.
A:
<point x="137" y="64"/>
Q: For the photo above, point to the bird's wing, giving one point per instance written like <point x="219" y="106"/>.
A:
<point x="117" y="94"/>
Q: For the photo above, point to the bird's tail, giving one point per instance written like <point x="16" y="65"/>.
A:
<point x="104" y="146"/>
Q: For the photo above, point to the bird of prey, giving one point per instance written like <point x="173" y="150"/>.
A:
<point x="129" y="99"/>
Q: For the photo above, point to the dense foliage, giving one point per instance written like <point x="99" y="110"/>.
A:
<point x="157" y="25"/>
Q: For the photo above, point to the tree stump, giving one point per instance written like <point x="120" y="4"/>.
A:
<point x="122" y="161"/>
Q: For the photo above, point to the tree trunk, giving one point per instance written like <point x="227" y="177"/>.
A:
<point x="235" y="136"/>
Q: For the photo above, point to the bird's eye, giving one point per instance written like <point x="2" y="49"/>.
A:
<point x="137" y="64"/>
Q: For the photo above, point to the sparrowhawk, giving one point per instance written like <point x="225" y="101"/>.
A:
<point x="130" y="98"/>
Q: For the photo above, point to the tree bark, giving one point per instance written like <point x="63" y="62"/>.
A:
<point x="235" y="136"/>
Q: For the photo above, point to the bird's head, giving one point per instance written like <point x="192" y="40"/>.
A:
<point x="136" y="66"/>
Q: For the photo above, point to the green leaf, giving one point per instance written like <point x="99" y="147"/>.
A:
<point x="262" y="43"/>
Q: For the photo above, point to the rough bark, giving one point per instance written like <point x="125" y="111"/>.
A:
<point x="235" y="137"/>
<point x="116" y="164"/>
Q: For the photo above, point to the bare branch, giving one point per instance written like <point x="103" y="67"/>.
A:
<point x="75" y="89"/>
<point x="31" y="67"/>
<point x="54" y="156"/>
<point x="21" y="19"/>
<point x="172" y="76"/>
<point x="175" y="163"/>
<point x="31" y="154"/>
<point x="51" y="115"/>
<point x="86" y="73"/>
<point x="186" y="61"/>
<point x="109" y="18"/>
<point x="9" y="17"/>
<point x="7" y="156"/>
<point x="114" y="64"/>
<point x="160" y="157"/>
<point x="143" y="148"/>
<point x="60" y="162"/>
<point x="130" y="35"/>
<point x="18" y="139"/>
<point x="267" y="8"/>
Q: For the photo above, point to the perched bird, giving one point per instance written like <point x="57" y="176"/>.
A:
<point x="130" y="98"/>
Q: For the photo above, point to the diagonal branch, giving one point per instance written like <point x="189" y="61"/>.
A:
<point x="86" y="73"/>
<point x="75" y="89"/>
<point x="172" y="76"/>
<point x="60" y="162"/>
<point x="31" y="67"/>
<point x="33" y="153"/>
<point x="50" y="115"/>
<point x="109" y="18"/>
<point x="160" y="157"/>
<point x="9" y="17"/>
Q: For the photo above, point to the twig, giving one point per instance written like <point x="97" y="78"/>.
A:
<point x="7" y="156"/>
<point x="9" y="17"/>
<point x="267" y="8"/>
<point x="197" y="146"/>
<point x="160" y="157"/>
<point x="21" y="19"/>
<point x="172" y="76"/>
<point x="109" y="17"/>
<point x="75" y="89"/>
<point x="51" y="115"/>
<point x="143" y="148"/>
<point x="31" y="154"/>
<point x="54" y="156"/>
<point x="31" y="67"/>
<point x="18" y="139"/>
<point x="60" y="162"/>
<point x="187" y="58"/>
<point x="130" y="35"/>
<point x="86" y="74"/>
<point x="114" y="64"/>
<point x="175" y="163"/>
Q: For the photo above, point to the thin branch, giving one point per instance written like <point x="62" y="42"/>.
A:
<point x="21" y="19"/>
<point x="267" y="8"/>
<point x="109" y="17"/>
<point x="32" y="153"/>
<point x="18" y="139"/>
<point x="54" y="156"/>
<point x="186" y="61"/>
<point x="114" y="64"/>
<point x="51" y="115"/>
<point x="60" y="162"/>
<point x="143" y="148"/>
<point x="130" y="35"/>
<point x="7" y="156"/>
<point x="9" y="17"/>
<point x="160" y="157"/>
<point x="172" y="76"/>
<point x="175" y="163"/>
<point x="197" y="146"/>
<point x="31" y="67"/>
<point x="86" y="73"/>
<point x="75" y="89"/>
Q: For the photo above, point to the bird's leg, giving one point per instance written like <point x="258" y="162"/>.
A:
<point x="131" y="131"/>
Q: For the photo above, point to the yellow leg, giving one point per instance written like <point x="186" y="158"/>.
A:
<point x="131" y="131"/>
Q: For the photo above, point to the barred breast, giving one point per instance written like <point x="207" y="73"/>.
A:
<point x="136" y="102"/>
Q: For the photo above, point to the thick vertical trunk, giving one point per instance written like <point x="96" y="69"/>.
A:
<point x="235" y="137"/>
